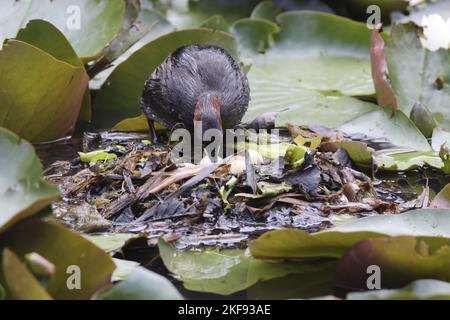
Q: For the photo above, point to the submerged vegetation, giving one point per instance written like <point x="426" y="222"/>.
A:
<point x="356" y="178"/>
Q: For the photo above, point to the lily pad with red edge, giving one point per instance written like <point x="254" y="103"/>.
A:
<point x="398" y="261"/>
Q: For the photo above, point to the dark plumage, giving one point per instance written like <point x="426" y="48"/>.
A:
<point x="197" y="82"/>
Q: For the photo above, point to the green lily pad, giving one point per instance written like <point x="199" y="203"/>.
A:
<point x="48" y="38"/>
<point x="110" y="242"/>
<point x="440" y="137"/>
<point x="403" y="160"/>
<point x="254" y="35"/>
<point x="134" y="26"/>
<point x="423" y="119"/>
<point x="430" y="224"/>
<point x="21" y="283"/>
<point x="316" y="66"/>
<point x="142" y="284"/>
<point x="137" y="124"/>
<point x="72" y="255"/>
<point x="399" y="129"/>
<point x="149" y="23"/>
<point x="193" y="13"/>
<point x="216" y="22"/>
<point x="224" y="272"/>
<point x="418" y="290"/>
<point x="414" y="72"/>
<point x="442" y="199"/>
<point x="400" y="259"/>
<point x="99" y="21"/>
<point x="123" y="269"/>
<point x="24" y="193"/>
<point x="314" y="283"/>
<point x="22" y="190"/>
<point x="120" y="96"/>
<point x="266" y="10"/>
<point x="42" y="96"/>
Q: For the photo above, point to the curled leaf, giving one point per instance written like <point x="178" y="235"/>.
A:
<point x="385" y="92"/>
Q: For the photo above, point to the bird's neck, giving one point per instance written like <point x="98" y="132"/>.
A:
<point x="207" y="103"/>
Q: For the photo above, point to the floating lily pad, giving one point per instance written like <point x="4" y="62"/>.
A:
<point x="317" y="282"/>
<point x="149" y="23"/>
<point x="23" y="193"/>
<point x="316" y="66"/>
<point x="110" y="242"/>
<point x="399" y="129"/>
<point x="428" y="224"/>
<point x="403" y="160"/>
<point x="417" y="290"/>
<point x="88" y="24"/>
<point x="123" y="269"/>
<point x="423" y="119"/>
<point x="442" y="199"/>
<point x="134" y="26"/>
<point x="42" y="96"/>
<point x="216" y="22"/>
<point x="22" y="190"/>
<point x="136" y="124"/>
<point x="254" y="35"/>
<point x="224" y="272"/>
<point x="266" y="10"/>
<point x="440" y="138"/>
<point x="71" y="254"/>
<point x="48" y="38"/>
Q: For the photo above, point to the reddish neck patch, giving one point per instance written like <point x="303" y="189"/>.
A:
<point x="206" y="101"/>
